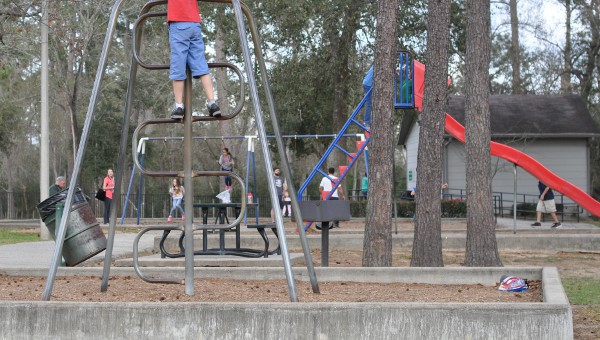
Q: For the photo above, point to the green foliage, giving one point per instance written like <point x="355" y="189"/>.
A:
<point x="450" y="208"/>
<point x="11" y="124"/>
<point x="526" y="210"/>
<point x="405" y="208"/>
<point x="455" y="208"/>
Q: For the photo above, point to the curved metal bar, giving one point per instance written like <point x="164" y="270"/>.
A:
<point x="136" y="266"/>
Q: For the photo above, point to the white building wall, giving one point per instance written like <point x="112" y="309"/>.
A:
<point x="566" y="158"/>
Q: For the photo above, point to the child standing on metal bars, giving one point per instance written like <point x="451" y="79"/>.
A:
<point x="187" y="49"/>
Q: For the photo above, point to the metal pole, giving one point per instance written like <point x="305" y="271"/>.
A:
<point x="515" y="200"/>
<point x="247" y="177"/>
<point x="141" y="187"/>
<point x="265" y="148"/>
<point x="189" y="192"/>
<point x="127" y="196"/>
<point x="60" y="234"/>
<point x="44" y="129"/>
<point x="286" y="166"/>
<point x="119" y="174"/>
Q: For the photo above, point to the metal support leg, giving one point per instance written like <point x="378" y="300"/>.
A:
<point x="189" y="192"/>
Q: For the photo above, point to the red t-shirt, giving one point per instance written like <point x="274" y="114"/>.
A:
<point x="109" y="183"/>
<point x="183" y="11"/>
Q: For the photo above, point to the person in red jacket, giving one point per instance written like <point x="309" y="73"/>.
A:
<point x="187" y="49"/>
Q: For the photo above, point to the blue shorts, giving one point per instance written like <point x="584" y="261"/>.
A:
<point x="187" y="48"/>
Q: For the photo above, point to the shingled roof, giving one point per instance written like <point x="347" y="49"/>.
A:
<point x="550" y="116"/>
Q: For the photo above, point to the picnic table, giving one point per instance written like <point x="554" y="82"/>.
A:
<point x="221" y="218"/>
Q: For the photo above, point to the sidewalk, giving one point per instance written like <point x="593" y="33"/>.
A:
<point x="39" y="254"/>
<point x="508" y="223"/>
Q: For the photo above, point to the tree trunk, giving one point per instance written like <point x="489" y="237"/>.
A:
<point x="225" y="127"/>
<point x="481" y="248"/>
<point x="340" y="54"/>
<point x="515" y="49"/>
<point x="427" y="243"/>
<point x="10" y="188"/>
<point x="586" y="76"/>
<point x="565" y="77"/>
<point x="377" y="247"/>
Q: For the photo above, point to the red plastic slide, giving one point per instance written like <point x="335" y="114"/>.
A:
<point x="510" y="154"/>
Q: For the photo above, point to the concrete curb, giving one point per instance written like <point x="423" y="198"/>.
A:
<point x="197" y="320"/>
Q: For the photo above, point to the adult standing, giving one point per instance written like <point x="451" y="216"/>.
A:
<point x="546" y="205"/>
<point x="58" y="186"/>
<point x="326" y="185"/>
<point x="280" y="186"/>
<point x="226" y="162"/>
<point x="108" y="184"/>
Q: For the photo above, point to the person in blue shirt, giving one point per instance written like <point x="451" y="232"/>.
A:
<point x="546" y="205"/>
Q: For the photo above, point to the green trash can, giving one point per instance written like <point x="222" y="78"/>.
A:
<point x="84" y="237"/>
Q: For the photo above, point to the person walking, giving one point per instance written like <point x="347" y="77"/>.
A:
<point x="546" y="205"/>
<point x="326" y="185"/>
<point x="176" y="191"/>
<point x="108" y="184"/>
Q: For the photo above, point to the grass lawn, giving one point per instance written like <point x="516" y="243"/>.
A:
<point x="584" y="292"/>
<point x="9" y="236"/>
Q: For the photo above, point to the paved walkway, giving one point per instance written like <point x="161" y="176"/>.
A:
<point x="39" y="254"/>
<point x="509" y="223"/>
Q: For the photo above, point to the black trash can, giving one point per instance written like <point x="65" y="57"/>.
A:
<point x="84" y="237"/>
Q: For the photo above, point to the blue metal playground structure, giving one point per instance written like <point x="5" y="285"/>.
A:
<point x="403" y="99"/>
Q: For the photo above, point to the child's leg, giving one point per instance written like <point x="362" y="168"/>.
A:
<point x="208" y="87"/>
<point x="178" y="91"/>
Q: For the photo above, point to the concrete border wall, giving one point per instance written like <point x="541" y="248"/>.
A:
<point x="70" y="320"/>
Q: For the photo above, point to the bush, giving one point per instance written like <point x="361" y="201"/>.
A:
<point x="455" y="208"/>
<point x="526" y="210"/>
<point x="358" y="208"/>
<point x="406" y="208"/>
<point x="450" y="208"/>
